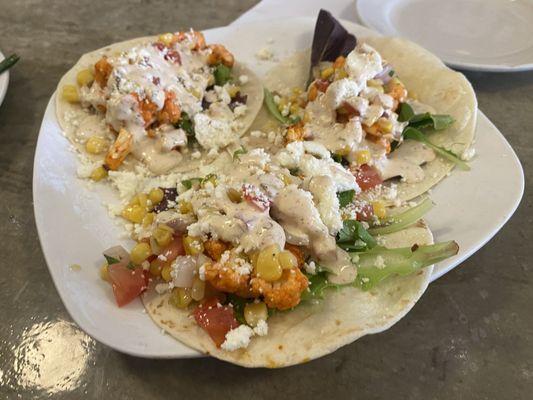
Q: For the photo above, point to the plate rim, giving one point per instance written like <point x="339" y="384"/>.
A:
<point x="4" y="81"/>
<point x="466" y="66"/>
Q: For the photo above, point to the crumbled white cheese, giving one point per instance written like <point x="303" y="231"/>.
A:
<point x="261" y="329"/>
<point x="237" y="338"/>
<point x="310" y="267"/>
<point x="201" y="272"/>
<point x="380" y="262"/>
<point x="243" y="79"/>
<point x="264" y="54"/>
<point x="468" y="154"/>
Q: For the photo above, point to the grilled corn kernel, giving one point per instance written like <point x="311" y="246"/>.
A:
<point x="163" y="235"/>
<point x="180" y="297"/>
<point x="96" y="144"/>
<point x="297" y="91"/>
<point x="374" y="83"/>
<point x="185" y="207"/>
<point x="385" y="125"/>
<point x="156" y="195"/>
<point x="327" y="72"/>
<point x="143" y="200"/>
<point x="192" y="245"/>
<point x="267" y="266"/>
<point x="340" y="74"/>
<point x="134" y="213"/>
<point x="312" y="93"/>
<point x="166" y="39"/>
<point x="98" y="173"/>
<point x="148" y="219"/>
<point x="234" y="195"/>
<point x="104" y="272"/>
<point x="255" y="312"/>
<point x="372" y="129"/>
<point x="156" y="266"/>
<point x="362" y="157"/>
<point x="233" y="90"/>
<point x="140" y="252"/>
<point x="344" y="151"/>
<point x="165" y="273"/>
<point x="339" y="62"/>
<point x="294" y="108"/>
<point x="287" y="260"/>
<point x="197" y="289"/>
<point x="253" y="258"/>
<point x="85" y="77"/>
<point x="70" y="94"/>
<point x="286" y="180"/>
<point x="379" y="208"/>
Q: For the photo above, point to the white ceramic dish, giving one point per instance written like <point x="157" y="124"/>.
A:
<point x="484" y="35"/>
<point x="74" y="227"/>
<point x="4" y="81"/>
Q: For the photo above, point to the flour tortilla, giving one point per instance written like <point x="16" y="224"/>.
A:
<point x="436" y="85"/>
<point x="311" y="330"/>
<point x="65" y="110"/>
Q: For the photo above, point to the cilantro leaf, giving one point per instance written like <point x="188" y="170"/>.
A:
<point x="237" y="153"/>
<point x="354" y="237"/>
<point x="238" y="304"/>
<point x="188" y="183"/>
<point x="405" y="113"/>
<point x="222" y="74"/>
<point x="273" y="109"/>
<point x="317" y="286"/>
<point x="186" y="124"/>
<point x="433" y="121"/>
<point x="345" y="197"/>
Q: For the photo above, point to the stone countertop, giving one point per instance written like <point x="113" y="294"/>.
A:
<point x="469" y="337"/>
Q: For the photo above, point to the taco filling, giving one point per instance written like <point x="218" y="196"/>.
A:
<point x="263" y="235"/>
<point x="161" y="101"/>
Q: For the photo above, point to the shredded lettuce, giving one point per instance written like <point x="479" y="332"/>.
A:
<point x="379" y="263"/>
<point x="400" y="221"/>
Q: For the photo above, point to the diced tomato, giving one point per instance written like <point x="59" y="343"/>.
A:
<point x="159" y="46"/>
<point x="322" y="84"/>
<point x="365" y="212"/>
<point x="174" y="249"/>
<point x="127" y="283"/>
<point x="215" y="319"/>
<point x="255" y="196"/>
<point x="367" y="177"/>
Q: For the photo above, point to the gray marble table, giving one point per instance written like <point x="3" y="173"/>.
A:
<point x="469" y="337"/>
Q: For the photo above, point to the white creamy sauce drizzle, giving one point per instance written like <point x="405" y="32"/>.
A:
<point x="405" y="162"/>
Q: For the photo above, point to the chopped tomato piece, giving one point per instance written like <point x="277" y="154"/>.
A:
<point x="174" y="249"/>
<point x="174" y="56"/>
<point x="215" y="319"/>
<point x="255" y="196"/>
<point x="367" y="177"/>
<point x="127" y="283"/>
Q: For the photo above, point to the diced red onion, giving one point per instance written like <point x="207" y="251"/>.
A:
<point x="119" y="253"/>
<point x="183" y="270"/>
<point x="384" y="74"/>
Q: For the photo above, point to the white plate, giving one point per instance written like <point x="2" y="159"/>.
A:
<point x="4" y="81"/>
<point x="74" y="228"/>
<point x="484" y="35"/>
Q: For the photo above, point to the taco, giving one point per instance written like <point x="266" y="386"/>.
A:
<point x="387" y="109"/>
<point x="162" y="101"/>
<point x="275" y="259"/>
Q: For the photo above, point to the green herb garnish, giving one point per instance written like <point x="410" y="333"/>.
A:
<point x="188" y="183"/>
<point x="402" y="220"/>
<point x="222" y="74"/>
<point x="415" y="134"/>
<point x="345" y="197"/>
<point x="186" y="124"/>
<point x="237" y="153"/>
<point x="354" y="237"/>
<point x="8" y="62"/>
<point x="238" y="304"/>
<point x="379" y="263"/>
<point x="273" y="109"/>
